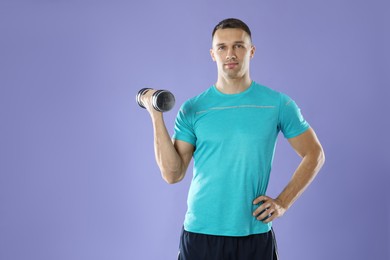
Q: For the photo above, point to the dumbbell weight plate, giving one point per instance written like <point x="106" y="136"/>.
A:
<point x="163" y="100"/>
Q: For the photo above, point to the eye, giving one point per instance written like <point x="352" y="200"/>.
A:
<point x="238" y="46"/>
<point x="221" y="48"/>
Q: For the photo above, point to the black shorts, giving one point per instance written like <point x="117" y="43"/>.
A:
<point x="194" y="246"/>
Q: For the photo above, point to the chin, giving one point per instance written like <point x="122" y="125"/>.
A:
<point x="233" y="74"/>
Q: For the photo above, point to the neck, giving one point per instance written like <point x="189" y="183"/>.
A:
<point x="233" y="85"/>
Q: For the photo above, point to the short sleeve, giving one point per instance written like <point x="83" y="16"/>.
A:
<point x="184" y="129"/>
<point x="291" y="121"/>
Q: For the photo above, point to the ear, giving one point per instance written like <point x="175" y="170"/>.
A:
<point x="253" y="50"/>
<point x="212" y="54"/>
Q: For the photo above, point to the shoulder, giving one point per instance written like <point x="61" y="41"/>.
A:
<point x="197" y="100"/>
<point x="269" y="93"/>
<point x="272" y="93"/>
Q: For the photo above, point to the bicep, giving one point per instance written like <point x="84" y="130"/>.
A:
<point x="305" y="143"/>
<point x="185" y="151"/>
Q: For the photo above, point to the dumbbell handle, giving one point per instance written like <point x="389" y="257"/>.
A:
<point x="162" y="100"/>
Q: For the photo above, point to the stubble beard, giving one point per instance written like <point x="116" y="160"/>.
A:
<point x="233" y="73"/>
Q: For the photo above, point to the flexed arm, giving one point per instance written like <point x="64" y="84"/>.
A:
<point x="172" y="156"/>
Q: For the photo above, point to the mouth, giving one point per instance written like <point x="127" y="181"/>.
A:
<point x="231" y="65"/>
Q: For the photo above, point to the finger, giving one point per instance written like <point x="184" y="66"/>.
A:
<point x="273" y="215"/>
<point x="147" y="95"/>
<point x="261" y="208"/>
<point x="269" y="218"/>
<point x="146" y="99"/>
<point x="264" y="215"/>
<point x="260" y="199"/>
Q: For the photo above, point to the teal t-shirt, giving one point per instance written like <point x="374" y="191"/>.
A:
<point x="234" y="136"/>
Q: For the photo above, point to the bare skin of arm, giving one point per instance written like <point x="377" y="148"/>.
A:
<point x="310" y="150"/>
<point x="172" y="156"/>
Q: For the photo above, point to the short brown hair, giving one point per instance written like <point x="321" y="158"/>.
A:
<point x="232" y="23"/>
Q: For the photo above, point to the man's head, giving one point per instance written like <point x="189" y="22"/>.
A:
<point x="232" y="23"/>
<point x="232" y="48"/>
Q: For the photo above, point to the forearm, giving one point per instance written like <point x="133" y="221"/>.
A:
<point x="303" y="176"/>
<point x="167" y="158"/>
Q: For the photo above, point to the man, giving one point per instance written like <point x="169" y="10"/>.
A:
<point x="230" y="130"/>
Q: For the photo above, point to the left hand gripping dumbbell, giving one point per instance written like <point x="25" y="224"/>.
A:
<point x="162" y="100"/>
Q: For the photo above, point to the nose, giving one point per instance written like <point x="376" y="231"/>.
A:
<point x="230" y="54"/>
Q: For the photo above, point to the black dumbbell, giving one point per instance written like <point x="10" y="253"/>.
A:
<point x="162" y="100"/>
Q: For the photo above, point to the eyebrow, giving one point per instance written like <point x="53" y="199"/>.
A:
<point x="222" y="44"/>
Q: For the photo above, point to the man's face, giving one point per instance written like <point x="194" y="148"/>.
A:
<point x="232" y="50"/>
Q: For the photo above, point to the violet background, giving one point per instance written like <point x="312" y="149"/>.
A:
<point x="78" y="178"/>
